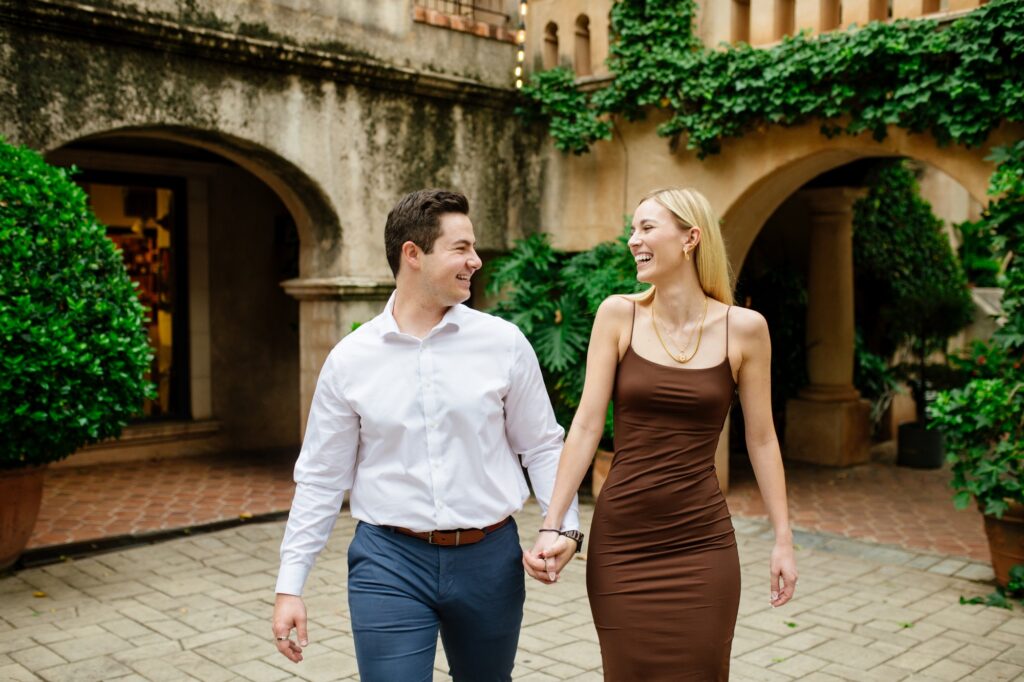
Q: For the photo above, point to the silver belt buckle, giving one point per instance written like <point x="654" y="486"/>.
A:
<point x="458" y="535"/>
<point x="430" y="538"/>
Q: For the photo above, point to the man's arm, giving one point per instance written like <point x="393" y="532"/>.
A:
<point x="532" y="430"/>
<point x="324" y="471"/>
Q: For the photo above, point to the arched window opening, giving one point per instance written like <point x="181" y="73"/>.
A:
<point x="582" y="56"/>
<point x="831" y="11"/>
<point x="550" y="55"/>
<point x="785" y="18"/>
<point x="740" y="21"/>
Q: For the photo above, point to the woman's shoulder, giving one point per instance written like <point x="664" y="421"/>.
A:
<point x="746" y="322"/>
<point x="616" y="310"/>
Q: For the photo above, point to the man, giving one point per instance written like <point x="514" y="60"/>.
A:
<point x="421" y="414"/>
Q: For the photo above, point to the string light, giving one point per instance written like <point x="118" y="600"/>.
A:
<point x="520" y="44"/>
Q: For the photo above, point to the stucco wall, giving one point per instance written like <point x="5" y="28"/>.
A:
<point x="382" y="30"/>
<point x="338" y="153"/>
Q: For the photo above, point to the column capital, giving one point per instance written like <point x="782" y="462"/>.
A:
<point x="831" y="200"/>
<point x="339" y="288"/>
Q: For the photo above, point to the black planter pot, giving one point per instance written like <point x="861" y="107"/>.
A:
<point x="919" y="447"/>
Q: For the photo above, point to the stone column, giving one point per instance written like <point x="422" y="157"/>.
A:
<point x="328" y="309"/>
<point x="829" y="423"/>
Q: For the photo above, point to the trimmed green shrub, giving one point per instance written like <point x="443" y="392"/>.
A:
<point x="906" y="272"/>
<point x="73" y="350"/>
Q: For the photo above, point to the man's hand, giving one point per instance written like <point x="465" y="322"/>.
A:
<point x="289" y="612"/>
<point x="549" y="556"/>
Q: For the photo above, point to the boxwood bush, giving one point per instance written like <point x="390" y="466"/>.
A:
<point x="73" y="350"/>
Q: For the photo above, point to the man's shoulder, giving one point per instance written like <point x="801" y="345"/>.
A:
<point x="364" y="338"/>
<point x="493" y="324"/>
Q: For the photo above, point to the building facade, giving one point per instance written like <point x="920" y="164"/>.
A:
<point x="245" y="156"/>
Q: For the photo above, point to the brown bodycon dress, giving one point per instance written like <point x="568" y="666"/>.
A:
<point x="663" y="574"/>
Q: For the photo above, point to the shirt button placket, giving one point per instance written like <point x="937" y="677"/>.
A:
<point x="432" y="436"/>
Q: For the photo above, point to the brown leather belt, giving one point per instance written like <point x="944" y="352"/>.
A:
<point x="452" y="538"/>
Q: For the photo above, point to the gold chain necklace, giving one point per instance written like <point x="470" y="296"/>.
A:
<point x="681" y="357"/>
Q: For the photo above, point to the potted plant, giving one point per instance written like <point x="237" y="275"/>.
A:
<point x="983" y="425"/>
<point x="553" y="296"/>
<point x="73" y="350"/>
<point x="912" y="289"/>
<point x="983" y="422"/>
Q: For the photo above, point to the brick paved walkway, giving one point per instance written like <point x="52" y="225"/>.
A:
<point x="198" y="608"/>
<point x="86" y="503"/>
<point x="878" y="502"/>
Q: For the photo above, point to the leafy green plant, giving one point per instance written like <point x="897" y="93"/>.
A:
<point x="1002" y="596"/>
<point x="552" y="95"/>
<point x="907" y="271"/>
<point x="982" y="422"/>
<point x="983" y="425"/>
<point x="874" y="378"/>
<point x="553" y="296"/>
<point x="958" y="82"/>
<point x="74" y="350"/>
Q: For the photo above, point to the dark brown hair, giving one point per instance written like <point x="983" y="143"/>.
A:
<point x="416" y="218"/>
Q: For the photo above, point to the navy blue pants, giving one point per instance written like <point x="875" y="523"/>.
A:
<point x="402" y="591"/>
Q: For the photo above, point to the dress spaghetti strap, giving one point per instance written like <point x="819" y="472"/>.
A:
<point x="727" y="311"/>
<point x="632" y="323"/>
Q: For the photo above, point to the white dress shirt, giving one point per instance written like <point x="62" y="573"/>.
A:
<point x="424" y="433"/>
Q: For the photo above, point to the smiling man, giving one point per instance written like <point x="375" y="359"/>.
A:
<point x="427" y="414"/>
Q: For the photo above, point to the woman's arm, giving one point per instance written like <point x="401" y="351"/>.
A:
<point x="763" y="446"/>
<point x="613" y="319"/>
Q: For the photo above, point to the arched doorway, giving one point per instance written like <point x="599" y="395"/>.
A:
<point x="860" y="496"/>
<point x="208" y="240"/>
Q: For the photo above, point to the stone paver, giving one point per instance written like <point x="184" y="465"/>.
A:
<point x="199" y="608"/>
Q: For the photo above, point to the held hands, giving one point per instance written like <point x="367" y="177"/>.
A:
<point x="289" y="612"/>
<point x="783" y="573"/>
<point x="549" y="556"/>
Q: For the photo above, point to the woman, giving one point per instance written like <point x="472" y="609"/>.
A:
<point x="663" y="574"/>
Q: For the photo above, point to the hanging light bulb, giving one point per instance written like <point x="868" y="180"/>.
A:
<point x="520" y="45"/>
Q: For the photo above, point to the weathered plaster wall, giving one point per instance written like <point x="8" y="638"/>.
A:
<point x="382" y="31"/>
<point x="338" y="153"/>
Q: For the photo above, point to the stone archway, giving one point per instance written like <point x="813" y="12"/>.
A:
<point x="251" y="220"/>
<point x="828" y="423"/>
<point x="316" y="219"/>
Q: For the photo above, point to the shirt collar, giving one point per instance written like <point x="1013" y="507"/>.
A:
<point x="453" y="319"/>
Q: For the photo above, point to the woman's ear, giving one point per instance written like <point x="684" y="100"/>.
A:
<point x="694" y="239"/>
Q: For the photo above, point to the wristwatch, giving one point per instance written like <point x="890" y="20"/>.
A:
<point x="574" y="535"/>
<point x="571" y="534"/>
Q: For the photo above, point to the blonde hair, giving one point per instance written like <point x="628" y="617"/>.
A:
<point x="691" y="208"/>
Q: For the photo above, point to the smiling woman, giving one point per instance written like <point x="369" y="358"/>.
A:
<point x="662" y="566"/>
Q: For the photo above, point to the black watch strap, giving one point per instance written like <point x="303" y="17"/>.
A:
<point x="574" y="535"/>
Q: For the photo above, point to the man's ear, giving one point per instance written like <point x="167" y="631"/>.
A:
<point x="412" y="255"/>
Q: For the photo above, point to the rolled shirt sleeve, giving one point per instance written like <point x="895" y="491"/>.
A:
<point x="532" y="430"/>
<point x="323" y="473"/>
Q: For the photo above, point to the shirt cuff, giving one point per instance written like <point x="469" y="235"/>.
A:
<point x="572" y="519"/>
<point x="291" y="579"/>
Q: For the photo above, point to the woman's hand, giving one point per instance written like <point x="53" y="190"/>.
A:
<point x="548" y="557"/>
<point x="783" y="573"/>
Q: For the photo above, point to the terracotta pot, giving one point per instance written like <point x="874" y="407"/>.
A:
<point x="21" y="492"/>
<point x="602" y="463"/>
<point x="1006" y="541"/>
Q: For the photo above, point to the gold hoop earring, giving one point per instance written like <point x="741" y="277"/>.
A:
<point x="687" y="254"/>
